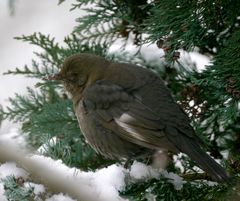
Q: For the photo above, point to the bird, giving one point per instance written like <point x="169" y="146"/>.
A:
<point x="126" y="111"/>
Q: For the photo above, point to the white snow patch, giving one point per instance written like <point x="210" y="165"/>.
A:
<point x="102" y="185"/>
<point x="141" y="171"/>
<point x="155" y="56"/>
<point x="200" y="60"/>
<point x="10" y="168"/>
<point x="13" y="134"/>
<point x="210" y="183"/>
<point x="2" y="196"/>
<point x="38" y="188"/>
<point x="60" y="197"/>
<point x="108" y="181"/>
<point x="45" y="147"/>
<point x="176" y="180"/>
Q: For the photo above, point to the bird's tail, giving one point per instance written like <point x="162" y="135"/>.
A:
<point x="205" y="162"/>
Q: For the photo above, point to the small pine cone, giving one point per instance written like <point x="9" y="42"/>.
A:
<point x="20" y="181"/>
<point x="160" y="43"/>
<point x="176" y="55"/>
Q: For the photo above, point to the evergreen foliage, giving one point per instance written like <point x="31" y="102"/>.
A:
<point x="187" y="24"/>
<point x="190" y="191"/>
<point x="46" y="112"/>
<point x="14" y="189"/>
<point x="212" y="26"/>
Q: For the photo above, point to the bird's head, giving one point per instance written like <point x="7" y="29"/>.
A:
<point x="79" y="71"/>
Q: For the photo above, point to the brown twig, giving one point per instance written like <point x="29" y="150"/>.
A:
<point x="195" y="176"/>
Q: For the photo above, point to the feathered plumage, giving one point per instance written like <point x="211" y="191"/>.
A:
<point x="125" y="111"/>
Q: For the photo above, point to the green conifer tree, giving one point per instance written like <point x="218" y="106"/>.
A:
<point x="211" y="26"/>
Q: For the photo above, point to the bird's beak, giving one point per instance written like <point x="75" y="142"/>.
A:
<point x="56" y="76"/>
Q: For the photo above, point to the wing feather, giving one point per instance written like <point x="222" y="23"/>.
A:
<point x="127" y="116"/>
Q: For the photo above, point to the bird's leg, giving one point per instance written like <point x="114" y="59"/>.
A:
<point x="128" y="163"/>
<point x="160" y="159"/>
<point x="148" y="160"/>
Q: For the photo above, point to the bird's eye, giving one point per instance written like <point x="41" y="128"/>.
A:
<point x="81" y="80"/>
<point x="77" y="79"/>
<point x="72" y="77"/>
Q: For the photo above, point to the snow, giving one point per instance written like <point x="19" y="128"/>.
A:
<point x="45" y="147"/>
<point x="38" y="188"/>
<point x="10" y="168"/>
<point x="2" y="196"/>
<point x="176" y="180"/>
<point x="155" y="56"/>
<point x="200" y="60"/>
<point x="140" y="171"/>
<point x="13" y="134"/>
<point x="108" y="181"/>
<point x="102" y="185"/>
<point x="60" y="197"/>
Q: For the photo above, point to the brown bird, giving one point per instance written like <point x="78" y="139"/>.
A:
<point x="126" y="111"/>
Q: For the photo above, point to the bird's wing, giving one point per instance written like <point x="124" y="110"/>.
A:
<point x="126" y="115"/>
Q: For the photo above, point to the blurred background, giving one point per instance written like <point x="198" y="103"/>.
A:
<point x="24" y="17"/>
